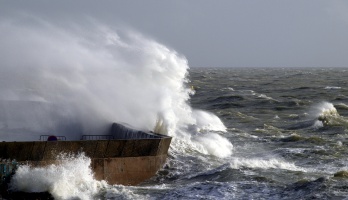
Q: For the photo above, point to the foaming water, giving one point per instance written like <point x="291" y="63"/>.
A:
<point x="328" y="115"/>
<point x="332" y="88"/>
<point x="69" y="178"/>
<point x="207" y="138"/>
<point x="325" y="109"/>
<point x="262" y="163"/>
<point x="206" y="121"/>
<point x="214" y="144"/>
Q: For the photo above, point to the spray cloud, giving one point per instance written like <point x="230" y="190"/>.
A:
<point x="74" y="80"/>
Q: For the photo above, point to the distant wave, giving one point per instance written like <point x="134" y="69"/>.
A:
<point x="332" y="88"/>
<point x="273" y="163"/>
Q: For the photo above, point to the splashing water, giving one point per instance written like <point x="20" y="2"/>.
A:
<point x="327" y="115"/>
<point x="71" y="177"/>
<point x="78" y="81"/>
<point x="98" y="75"/>
<point x="326" y="109"/>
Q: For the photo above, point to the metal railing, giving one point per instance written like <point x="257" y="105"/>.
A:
<point x="97" y="137"/>
<point x="45" y="137"/>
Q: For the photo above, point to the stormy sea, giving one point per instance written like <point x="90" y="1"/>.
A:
<point x="288" y="128"/>
<point x="238" y="133"/>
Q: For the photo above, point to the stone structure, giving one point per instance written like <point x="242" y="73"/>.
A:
<point x="118" y="161"/>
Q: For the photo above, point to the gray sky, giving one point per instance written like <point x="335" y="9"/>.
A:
<point x="219" y="33"/>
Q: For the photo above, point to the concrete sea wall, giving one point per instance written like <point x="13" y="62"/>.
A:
<point x="127" y="162"/>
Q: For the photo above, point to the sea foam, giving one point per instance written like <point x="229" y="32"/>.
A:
<point x="272" y="163"/>
<point x="327" y="115"/>
<point x="69" y="178"/>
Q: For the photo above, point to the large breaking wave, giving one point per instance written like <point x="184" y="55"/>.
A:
<point x="72" y="80"/>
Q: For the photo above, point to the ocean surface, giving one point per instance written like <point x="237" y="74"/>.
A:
<point x="289" y="130"/>
<point x="284" y="135"/>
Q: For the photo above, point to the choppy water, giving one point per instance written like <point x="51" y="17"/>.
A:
<point x="289" y="131"/>
<point x="280" y="148"/>
<point x="288" y="128"/>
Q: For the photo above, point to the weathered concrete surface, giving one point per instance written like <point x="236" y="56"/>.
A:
<point x="127" y="162"/>
<point x="127" y="170"/>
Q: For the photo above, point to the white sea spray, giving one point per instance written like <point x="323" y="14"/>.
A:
<point x="70" y="177"/>
<point x="80" y="80"/>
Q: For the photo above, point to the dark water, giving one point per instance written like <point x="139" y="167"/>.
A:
<point x="281" y="150"/>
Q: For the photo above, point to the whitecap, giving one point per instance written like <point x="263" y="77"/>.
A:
<point x="332" y="88"/>
<point x="273" y="163"/>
